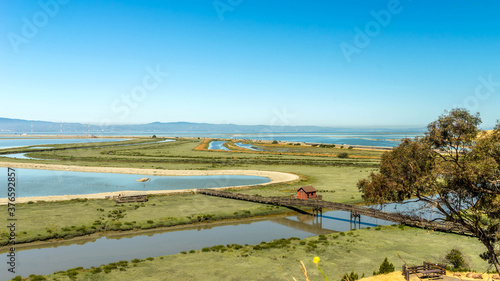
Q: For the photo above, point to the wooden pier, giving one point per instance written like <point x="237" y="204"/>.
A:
<point x="318" y="205"/>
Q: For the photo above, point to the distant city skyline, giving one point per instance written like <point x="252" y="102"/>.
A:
<point x="284" y="63"/>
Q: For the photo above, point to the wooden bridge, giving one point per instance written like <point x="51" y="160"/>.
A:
<point x="318" y="205"/>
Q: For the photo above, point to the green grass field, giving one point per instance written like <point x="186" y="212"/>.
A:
<point x="361" y="251"/>
<point x="335" y="179"/>
<point x="181" y="155"/>
<point x="57" y="220"/>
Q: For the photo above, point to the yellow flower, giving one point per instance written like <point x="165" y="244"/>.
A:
<point x="316" y="260"/>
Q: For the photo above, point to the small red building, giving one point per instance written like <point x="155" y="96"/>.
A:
<point x="306" y="192"/>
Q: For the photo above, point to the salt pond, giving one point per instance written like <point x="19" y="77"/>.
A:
<point x="19" y="142"/>
<point x="32" y="182"/>
<point x="217" y="145"/>
<point x="247" y="146"/>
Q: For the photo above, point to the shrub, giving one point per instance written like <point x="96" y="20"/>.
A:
<point x="275" y="142"/>
<point x="455" y="257"/>
<point x="350" y="277"/>
<point x="385" y="267"/>
<point x="343" y="155"/>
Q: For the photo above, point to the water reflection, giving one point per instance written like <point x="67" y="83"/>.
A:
<point x="127" y="246"/>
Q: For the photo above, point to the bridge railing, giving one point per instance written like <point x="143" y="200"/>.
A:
<point x="316" y="203"/>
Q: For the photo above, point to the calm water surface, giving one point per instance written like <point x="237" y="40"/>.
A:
<point x="19" y="142"/>
<point x="32" y="182"/>
<point x="94" y="252"/>
<point x="217" y="145"/>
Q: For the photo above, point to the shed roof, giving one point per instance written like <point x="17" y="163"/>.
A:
<point x="308" y="189"/>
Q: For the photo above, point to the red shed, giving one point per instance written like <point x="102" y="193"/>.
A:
<point x="306" y="192"/>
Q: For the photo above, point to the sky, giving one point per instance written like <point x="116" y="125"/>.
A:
<point x="329" y="63"/>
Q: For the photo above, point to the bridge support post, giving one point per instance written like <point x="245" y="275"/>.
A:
<point x="354" y="217"/>
<point x="318" y="211"/>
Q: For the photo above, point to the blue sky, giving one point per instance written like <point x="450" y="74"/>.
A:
<point x="327" y="63"/>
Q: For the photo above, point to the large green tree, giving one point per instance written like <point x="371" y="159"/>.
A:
<point x="455" y="168"/>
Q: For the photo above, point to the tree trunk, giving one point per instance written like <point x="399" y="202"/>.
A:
<point x="491" y="251"/>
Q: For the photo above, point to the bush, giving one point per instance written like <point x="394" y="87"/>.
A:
<point x="343" y="155"/>
<point x="385" y="267"/>
<point x="350" y="277"/>
<point x="455" y="257"/>
<point x="275" y="142"/>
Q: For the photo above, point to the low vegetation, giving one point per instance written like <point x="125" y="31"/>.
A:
<point x="356" y="253"/>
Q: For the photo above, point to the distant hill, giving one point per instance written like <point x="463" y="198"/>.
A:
<point x="24" y="126"/>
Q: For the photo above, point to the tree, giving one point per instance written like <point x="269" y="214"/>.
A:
<point x="456" y="258"/>
<point x="385" y="267"/>
<point x="455" y="168"/>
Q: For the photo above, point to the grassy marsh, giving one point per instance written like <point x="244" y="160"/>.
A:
<point x="361" y="251"/>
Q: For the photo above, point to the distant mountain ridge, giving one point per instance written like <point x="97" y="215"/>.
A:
<point x="24" y="126"/>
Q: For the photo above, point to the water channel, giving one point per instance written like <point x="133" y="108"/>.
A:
<point x="114" y="247"/>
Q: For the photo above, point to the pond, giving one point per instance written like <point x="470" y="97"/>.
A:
<point x="247" y="146"/>
<point x="19" y="142"/>
<point x="23" y="155"/>
<point x="104" y="250"/>
<point x="32" y="182"/>
<point x="217" y="145"/>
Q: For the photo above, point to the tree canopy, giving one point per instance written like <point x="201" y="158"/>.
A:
<point x="455" y="167"/>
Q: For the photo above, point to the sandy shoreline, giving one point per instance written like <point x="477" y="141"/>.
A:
<point x="275" y="177"/>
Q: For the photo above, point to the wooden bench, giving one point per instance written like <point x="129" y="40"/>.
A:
<point x="129" y="198"/>
<point x="427" y="269"/>
<point x="433" y="272"/>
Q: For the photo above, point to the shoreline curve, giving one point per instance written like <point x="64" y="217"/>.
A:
<point x="275" y="177"/>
